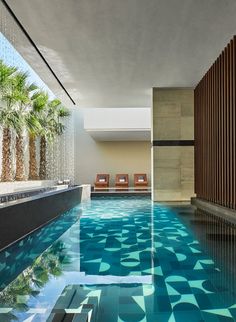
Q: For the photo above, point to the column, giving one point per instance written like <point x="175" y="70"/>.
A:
<point x="172" y="144"/>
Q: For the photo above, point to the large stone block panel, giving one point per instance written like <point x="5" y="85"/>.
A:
<point x="167" y="128"/>
<point x="167" y="177"/>
<point x="173" y="166"/>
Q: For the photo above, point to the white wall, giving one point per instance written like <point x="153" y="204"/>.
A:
<point x="117" y="118"/>
<point x="92" y="157"/>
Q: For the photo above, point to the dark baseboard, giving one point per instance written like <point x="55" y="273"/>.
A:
<point x="118" y="194"/>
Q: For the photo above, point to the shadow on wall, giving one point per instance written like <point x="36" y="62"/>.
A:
<point x="109" y="156"/>
<point x="119" y="157"/>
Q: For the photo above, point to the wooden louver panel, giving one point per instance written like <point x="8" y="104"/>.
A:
<point x="215" y="131"/>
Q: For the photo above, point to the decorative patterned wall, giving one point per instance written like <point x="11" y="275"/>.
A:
<point x="215" y="126"/>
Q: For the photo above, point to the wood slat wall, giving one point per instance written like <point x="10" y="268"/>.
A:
<point x="214" y="131"/>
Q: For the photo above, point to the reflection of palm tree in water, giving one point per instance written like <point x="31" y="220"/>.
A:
<point x="29" y="282"/>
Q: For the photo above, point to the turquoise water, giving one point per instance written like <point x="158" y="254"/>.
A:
<point x="117" y="259"/>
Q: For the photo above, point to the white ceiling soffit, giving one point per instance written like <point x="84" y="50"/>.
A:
<point x="118" y="124"/>
<point x="110" y="53"/>
<point x="117" y="119"/>
<point x="12" y="31"/>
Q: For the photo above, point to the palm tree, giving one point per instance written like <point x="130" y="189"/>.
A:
<point x="22" y="107"/>
<point x="17" y="96"/>
<point x="23" y="98"/>
<point x="34" y="129"/>
<point x="41" y="111"/>
<point x="51" y="122"/>
<point x="8" y="118"/>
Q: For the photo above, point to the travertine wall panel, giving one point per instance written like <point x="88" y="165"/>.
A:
<point x="172" y="163"/>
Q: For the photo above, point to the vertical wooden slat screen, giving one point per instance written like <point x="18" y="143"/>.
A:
<point x="215" y="131"/>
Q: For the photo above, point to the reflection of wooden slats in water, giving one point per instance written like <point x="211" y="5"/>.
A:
<point x="74" y="305"/>
<point x="220" y="237"/>
<point x="185" y="213"/>
<point x="201" y="221"/>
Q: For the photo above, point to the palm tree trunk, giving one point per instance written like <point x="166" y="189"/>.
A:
<point x="33" y="170"/>
<point x="20" y="166"/>
<point x="43" y="160"/>
<point x="6" y="156"/>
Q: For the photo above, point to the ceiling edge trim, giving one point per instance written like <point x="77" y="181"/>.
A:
<point x="36" y="48"/>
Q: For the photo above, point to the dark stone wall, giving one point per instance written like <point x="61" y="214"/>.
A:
<point x="21" y="217"/>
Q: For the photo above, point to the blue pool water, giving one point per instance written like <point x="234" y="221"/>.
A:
<point x="124" y="259"/>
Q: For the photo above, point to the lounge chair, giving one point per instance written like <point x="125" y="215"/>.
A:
<point x="140" y="180"/>
<point x="122" y="181"/>
<point x="102" y="180"/>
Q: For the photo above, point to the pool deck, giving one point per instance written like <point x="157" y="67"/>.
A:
<point x="121" y="192"/>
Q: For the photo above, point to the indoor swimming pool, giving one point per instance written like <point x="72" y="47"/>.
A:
<point x="122" y="260"/>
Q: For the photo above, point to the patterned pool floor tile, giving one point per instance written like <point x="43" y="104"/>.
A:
<point x="115" y="238"/>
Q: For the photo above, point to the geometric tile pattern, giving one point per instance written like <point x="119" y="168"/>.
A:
<point x="117" y="241"/>
<point x="119" y="237"/>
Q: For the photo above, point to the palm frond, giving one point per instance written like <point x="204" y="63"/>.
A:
<point x="23" y="104"/>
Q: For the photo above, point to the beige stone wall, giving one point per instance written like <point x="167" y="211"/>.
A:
<point x="112" y="157"/>
<point x="172" y="166"/>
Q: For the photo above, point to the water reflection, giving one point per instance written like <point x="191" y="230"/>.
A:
<point x="130" y="260"/>
<point x="218" y="238"/>
<point x="32" y="279"/>
<point x="116" y="251"/>
<point x="23" y="253"/>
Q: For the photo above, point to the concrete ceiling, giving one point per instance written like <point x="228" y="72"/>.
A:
<point x="110" y="53"/>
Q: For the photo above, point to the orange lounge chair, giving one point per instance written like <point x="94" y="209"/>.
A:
<point x="122" y="181"/>
<point x="140" y="180"/>
<point x="102" y="180"/>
